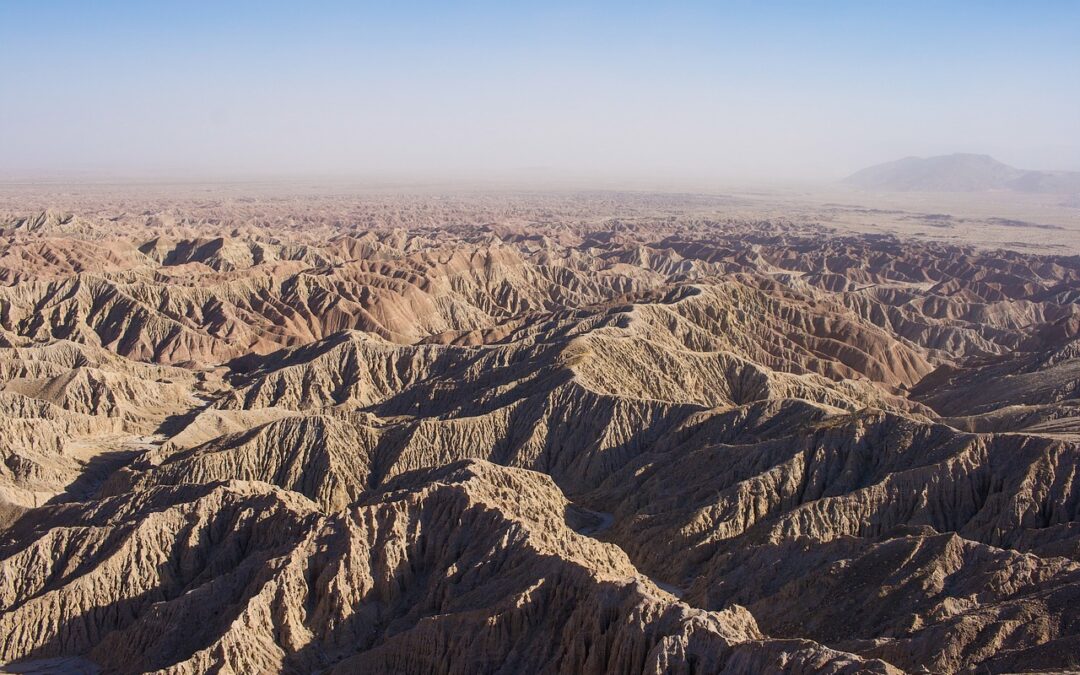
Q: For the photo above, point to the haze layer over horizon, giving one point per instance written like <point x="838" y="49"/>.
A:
<point x="636" y="90"/>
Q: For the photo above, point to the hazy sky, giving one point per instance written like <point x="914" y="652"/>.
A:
<point x="710" y="89"/>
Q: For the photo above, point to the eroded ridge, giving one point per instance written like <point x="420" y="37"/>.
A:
<point x="581" y="433"/>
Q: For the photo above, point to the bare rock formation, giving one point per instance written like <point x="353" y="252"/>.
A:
<point x="530" y="433"/>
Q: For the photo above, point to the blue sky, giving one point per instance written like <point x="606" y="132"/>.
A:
<point x="735" y="89"/>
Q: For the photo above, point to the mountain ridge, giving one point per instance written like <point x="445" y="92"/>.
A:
<point x="961" y="172"/>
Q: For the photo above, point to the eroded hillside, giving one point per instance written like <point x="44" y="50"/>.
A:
<point x="587" y="433"/>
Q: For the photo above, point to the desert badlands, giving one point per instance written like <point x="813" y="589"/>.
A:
<point x="528" y="432"/>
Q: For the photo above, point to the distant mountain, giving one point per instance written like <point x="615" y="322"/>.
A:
<point x="961" y="172"/>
